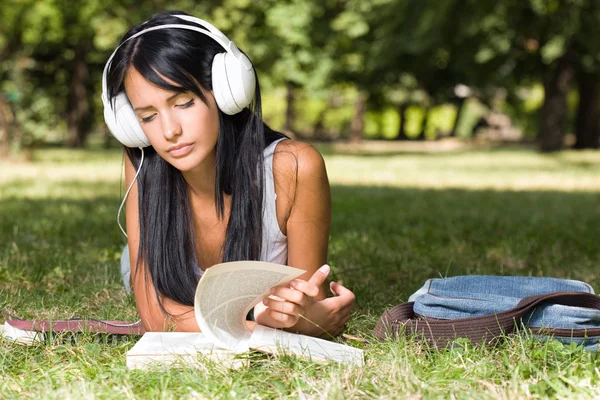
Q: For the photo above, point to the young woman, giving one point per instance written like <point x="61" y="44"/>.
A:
<point x="214" y="183"/>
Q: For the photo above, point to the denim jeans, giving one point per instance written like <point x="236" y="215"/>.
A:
<point x="470" y="296"/>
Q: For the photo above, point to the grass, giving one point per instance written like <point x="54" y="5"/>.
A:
<point x="401" y="215"/>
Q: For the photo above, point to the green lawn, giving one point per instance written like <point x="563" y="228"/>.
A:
<point x="402" y="214"/>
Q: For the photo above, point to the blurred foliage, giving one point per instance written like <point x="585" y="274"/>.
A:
<point x="322" y="54"/>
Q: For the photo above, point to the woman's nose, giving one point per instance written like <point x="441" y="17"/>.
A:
<point x="171" y="127"/>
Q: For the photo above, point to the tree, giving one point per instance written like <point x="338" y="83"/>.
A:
<point x="11" y="24"/>
<point x="502" y="44"/>
<point x="587" y="71"/>
<point x="432" y="43"/>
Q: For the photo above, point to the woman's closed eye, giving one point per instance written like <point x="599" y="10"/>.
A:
<point x="151" y="117"/>
<point x="147" y="119"/>
<point x="186" y="105"/>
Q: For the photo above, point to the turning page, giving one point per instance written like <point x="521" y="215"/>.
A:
<point x="226" y="293"/>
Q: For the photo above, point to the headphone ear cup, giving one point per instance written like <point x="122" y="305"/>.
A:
<point x="123" y="124"/>
<point x="221" y="86"/>
<point x="242" y="81"/>
<point x="233" y="85"/>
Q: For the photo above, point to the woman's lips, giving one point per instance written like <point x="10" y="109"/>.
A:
<point x="180" y="150"/>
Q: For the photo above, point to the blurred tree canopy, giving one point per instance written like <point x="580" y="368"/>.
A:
<point x="342" y="68"/>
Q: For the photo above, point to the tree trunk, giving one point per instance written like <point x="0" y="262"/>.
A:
<point x="289" y="111"/>
<point x="78" y="108"/>
<point x="356" y="127"/>
<point x="459" y="108"/>
<point x="319" y="127"/>
<point x="4" y="127"/>
<point x="587" y="125"/>
<point x="553" y="115"/>
<point x="10" y="132"/>
<point x="402" y="129"/>
<point x="424" y="125"/>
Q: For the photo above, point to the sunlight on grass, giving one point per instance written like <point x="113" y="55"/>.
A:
<point x="470" y="169"/>
<point x="76" y="174"/>
<point x="62" y="174"/>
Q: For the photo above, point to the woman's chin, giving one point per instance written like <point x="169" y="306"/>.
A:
<point x="183" y="166"/>
<point x="186" y="164"/>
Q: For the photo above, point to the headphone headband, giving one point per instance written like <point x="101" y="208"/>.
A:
<point x="210" y="31"/>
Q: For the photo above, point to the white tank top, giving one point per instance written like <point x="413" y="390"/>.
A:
<point x="274" y="242"/>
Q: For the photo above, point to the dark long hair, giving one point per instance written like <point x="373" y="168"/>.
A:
<point x="166" y="226"/>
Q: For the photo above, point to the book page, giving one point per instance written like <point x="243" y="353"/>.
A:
<point x="277" y="341"/>
<point x="226" y="293"/>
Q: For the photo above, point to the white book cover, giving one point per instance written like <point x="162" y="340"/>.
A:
<point x="166" y="348"/>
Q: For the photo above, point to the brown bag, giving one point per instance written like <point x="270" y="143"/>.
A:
<point x="401" y="320"/>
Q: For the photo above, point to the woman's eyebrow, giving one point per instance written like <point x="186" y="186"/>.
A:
<point x="150" y="107"/>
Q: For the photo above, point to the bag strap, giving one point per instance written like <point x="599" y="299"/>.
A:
<point x="485" y="328"/>
<point x="80" y="325"/>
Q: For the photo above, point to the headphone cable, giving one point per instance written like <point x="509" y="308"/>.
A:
<point x="127" y="193"/>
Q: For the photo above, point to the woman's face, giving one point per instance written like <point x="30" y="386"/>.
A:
<point x="181" y="128"/>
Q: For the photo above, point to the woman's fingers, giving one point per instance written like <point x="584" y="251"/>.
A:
<point x="344" y="296"/>
<point x="273" y="318"/>
<point x="320" y="275"/>
<point x="311" y="287"/>
<point x="299" y="288"/>
<point x="283" y="307"/>
<point x="307" y="288"/>
<point x="339" y="290"/>
<point x="281" y="319"/>
<point x="288" y="294"/>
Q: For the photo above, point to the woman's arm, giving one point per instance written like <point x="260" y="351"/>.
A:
<point x="154" y="319"/>
<point x="310" y="214"/>
<point x="307" y="229"/>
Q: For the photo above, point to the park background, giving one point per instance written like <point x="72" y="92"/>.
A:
<point x="330" y="70"/>
<point x="460" y="137"/>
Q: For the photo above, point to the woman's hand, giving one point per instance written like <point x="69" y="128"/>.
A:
<point x="296" y="308"/>
<point x="327" y="317"/>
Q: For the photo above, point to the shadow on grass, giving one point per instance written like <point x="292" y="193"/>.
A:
<point x="385" y="242"/>
<point x="60" y="254"/>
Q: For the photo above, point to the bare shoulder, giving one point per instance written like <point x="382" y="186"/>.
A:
<point x="300" y="179"/>
<point x="299" y="159"/>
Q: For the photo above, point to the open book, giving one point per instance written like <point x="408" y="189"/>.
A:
<point x="224" y="296"/>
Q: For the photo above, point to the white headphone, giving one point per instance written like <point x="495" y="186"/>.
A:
<point x="233" y="83"/>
